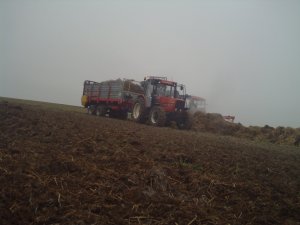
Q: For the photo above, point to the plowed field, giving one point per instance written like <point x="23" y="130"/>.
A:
<point x="61" y="166"/>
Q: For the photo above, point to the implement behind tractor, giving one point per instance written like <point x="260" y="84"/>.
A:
<point x="113" y="97"/>
<point x="155" y="100"/>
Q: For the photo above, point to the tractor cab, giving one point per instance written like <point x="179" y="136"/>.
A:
<point x="164" y="93"/>
<point x="163" y="101"/>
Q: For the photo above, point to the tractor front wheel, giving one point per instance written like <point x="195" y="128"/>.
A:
<point x="157" y="116"/>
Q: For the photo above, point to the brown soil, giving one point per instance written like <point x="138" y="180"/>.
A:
<point x="64" y="167"/>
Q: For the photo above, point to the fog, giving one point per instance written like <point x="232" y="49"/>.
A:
<point x="242" y="56"/>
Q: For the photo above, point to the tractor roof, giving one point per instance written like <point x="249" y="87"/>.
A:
<point x="161" y="80"/>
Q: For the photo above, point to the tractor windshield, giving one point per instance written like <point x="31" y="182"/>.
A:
<point x="165" y="90"/>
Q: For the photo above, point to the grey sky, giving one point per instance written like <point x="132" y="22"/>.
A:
<point x="242" y="56"/>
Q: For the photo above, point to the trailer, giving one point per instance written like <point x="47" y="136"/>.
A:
<point x="112" y="97"/>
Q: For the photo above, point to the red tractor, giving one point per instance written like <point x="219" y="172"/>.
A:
<point x="163" y="101"/>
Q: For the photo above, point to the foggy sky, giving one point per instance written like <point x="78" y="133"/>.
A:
<point x="243" y="56"/>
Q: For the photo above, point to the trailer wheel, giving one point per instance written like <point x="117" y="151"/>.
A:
<point x="157" y="116"/>
<point x="91" y="110"/>
<point x="185" y="122"/>
<point x="138" y="111"/>
<point x="101" y="110"/>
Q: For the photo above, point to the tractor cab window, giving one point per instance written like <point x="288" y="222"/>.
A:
<point x="160" y="89"/>
<point x="164" y="90"/>
<point x="149" y="89"/>
<point x="169" y="91"/>
<point x="180" y="92"/>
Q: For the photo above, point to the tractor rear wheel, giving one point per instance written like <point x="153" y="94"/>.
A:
<point x="185" y="121"/>
<point x="138" y="111"/>
<point x="157" y="116"/>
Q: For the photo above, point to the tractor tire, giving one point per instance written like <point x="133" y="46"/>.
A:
<point x="100" y="110"/>
<point x="138" y="110"/>
<point x="185" y="121"/>
<point x="91" y="110"/>
<point x="157" y="117"/>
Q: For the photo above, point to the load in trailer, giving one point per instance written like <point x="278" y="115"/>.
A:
<point x="155" y="100"/>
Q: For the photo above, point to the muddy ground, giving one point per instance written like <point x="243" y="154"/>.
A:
<point x="66" y="167"/>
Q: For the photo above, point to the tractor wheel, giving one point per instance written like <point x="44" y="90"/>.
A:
<point x="157" y="116"/>
<point x="138" y="111"/>
<point x="91" y="110"/>
<point x="101" y="110"/>
<point x="185" y="122"/>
